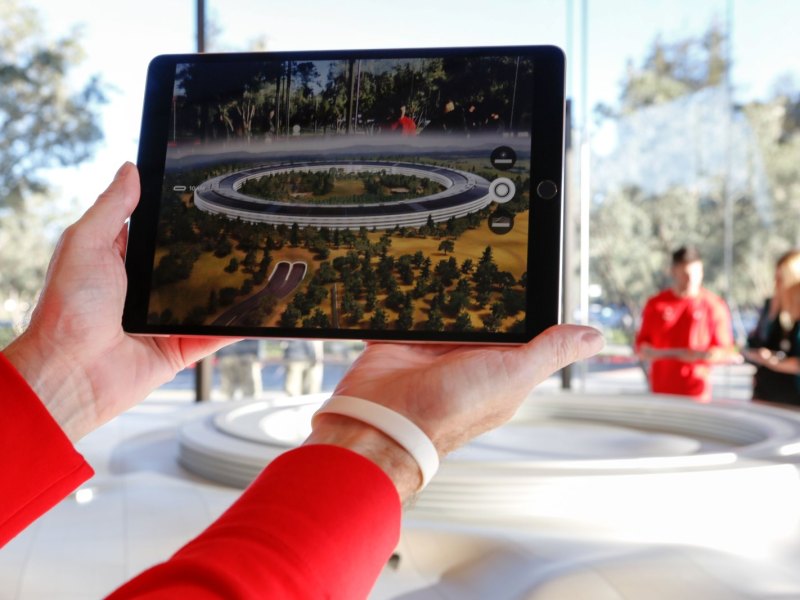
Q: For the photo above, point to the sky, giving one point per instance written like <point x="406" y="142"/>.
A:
<point x="121" y="37"/>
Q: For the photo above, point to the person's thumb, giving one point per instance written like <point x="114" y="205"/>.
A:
<point x="560" y="346"/>
<point x="103" y="220"/>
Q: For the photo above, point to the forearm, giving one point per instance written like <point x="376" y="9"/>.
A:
<point x="648" y="352"/>
<point x="718" y="355"/>
<point x="789" y="365"/>
<point x="60" y="385"/>
<point x="372" y="444"/>
<point x="39" y="464"/>
<point x="319" y="522"/>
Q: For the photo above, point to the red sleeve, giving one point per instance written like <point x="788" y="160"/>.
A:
<point x="319" y="522"/>
<point x="39" y="464"/>
<point x="644" y="334"/>
<point x="723" y="326"/>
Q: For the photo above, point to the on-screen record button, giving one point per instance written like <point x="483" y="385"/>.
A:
<point x="502" y="190"/>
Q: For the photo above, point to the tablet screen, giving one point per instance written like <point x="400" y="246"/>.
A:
<point x="369" y="194"/>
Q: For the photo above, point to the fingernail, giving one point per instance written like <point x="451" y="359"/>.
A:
<point x="123" y="169"/>
<point x="593" y="340"/>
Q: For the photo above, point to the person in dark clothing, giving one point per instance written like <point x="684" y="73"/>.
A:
<point x="774" y="340"/>
<point x="450" y="121"/>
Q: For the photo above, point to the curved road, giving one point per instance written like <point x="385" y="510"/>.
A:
<point x="285" y="277"/>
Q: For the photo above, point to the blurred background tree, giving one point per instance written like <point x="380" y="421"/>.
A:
<point x="45" y="122"/>
<point x="635" y="226"/>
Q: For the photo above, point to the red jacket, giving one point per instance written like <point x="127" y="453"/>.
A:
<point x="319" y="522"/>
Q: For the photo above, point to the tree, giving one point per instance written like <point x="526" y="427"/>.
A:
<point x="175" y="266"/>
<point x="776" y="124"/>
<point x="674" y="69"/>
<point x="223" y="248"/>
<point x="434" y="322"/>
<point x="213" y="302"/>
<point x="227" y="295"/>
<point x="317" y="319"/>
<point x="289" y="317"/>
<point x="249" y="260"/>
<point x="371" y="300"/>
<point x="45" y="123"/>
<point x="233" y="265"/>
<point x="494" y="319"/>
<point x="459" y="298"/>
<point x="52" y="124"/>
<point x="23" y="255"/>
<point x="405" y="320"/>
<point x="463" y="322"/>
<point x="446" y="246"/>
<point x="655" y="224"/>
<point x="355" y="314"/>
<point x="247" y="287"/>
<point x="196" y="316"/>
<point x="379" y="321"/>
<point x="514" y="301"/>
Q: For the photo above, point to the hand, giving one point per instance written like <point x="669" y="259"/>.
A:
<point x="74" y="354"/>
<point x="453" y="393"/>
<point x="755" y="355"/>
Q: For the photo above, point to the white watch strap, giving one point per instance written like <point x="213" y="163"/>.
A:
<point x="401" y="429"/>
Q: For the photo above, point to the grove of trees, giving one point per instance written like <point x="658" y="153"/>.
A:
<point x="320" y="187"/>
<point x="342" y="96"/>
<point x="634" y="230"/>
<point x="45" y="122"/>
<point x="377" y="288"/>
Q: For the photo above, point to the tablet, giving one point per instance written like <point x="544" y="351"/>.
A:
<point x="409" y="194"/>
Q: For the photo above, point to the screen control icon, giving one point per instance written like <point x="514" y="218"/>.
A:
<point x="501" y="222"/>
<point x="502" y="190"/>
<point x="503" y="158"/>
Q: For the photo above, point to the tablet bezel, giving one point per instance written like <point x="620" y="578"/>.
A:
<point x="545" y="215"/>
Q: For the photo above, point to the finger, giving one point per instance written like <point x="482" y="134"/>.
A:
<point x="102" y="222"/>
<point x="556" y="348"/>
<point x="195" y="348"/>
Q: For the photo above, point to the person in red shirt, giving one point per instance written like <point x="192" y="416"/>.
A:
<point x="321" y="520"/>
<point x="685" y="330"/>
<point x="404" y="123"/>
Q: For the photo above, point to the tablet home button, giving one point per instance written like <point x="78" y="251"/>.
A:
<point x="546" y="189"/>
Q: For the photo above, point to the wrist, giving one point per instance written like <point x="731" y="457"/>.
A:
<point x="371" y="443"/>
<point x="54" y="380"/>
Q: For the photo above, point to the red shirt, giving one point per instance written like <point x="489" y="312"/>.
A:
<point x="319" y="522"/>
<point x="405" y="124"/>
<point x="695" y="323"/>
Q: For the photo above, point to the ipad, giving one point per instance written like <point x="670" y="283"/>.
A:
<point x="410" y="194"/>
